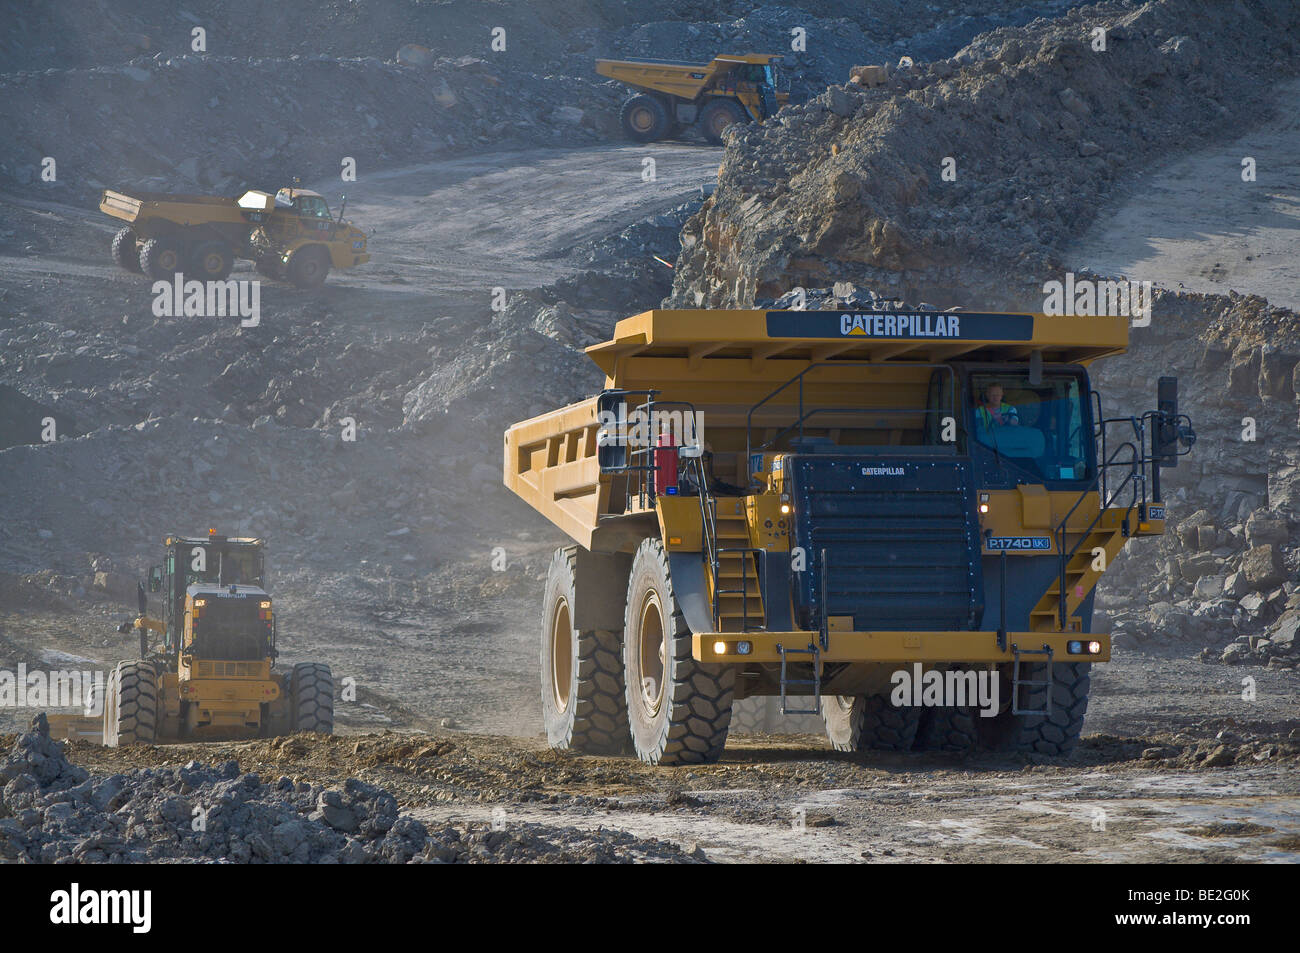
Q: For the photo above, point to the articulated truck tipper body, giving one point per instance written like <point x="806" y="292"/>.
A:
<point x="804" y="504"/>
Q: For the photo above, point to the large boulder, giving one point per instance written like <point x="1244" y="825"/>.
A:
<point x="1282" y="634"/>
<point x="1263" y="567"/>
<point x="1265" y="529"/>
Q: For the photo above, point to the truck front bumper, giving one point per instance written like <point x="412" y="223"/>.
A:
<point x="899" y="646"/>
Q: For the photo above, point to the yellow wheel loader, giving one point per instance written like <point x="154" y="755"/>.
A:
<point x="210" y="673"/>
<point x="672" y="96"/>
<point x="822" y="506"/>
<point x="291" y="235"/>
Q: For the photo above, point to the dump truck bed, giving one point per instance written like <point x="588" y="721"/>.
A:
<point x="724" y="362"/>
<point x="668" y="76"/>
<point x="183" y="209"/>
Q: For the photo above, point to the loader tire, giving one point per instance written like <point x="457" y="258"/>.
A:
<point x="717" y="116"/>
<point x="125" y="253"/>
<point x="212" y="261"/>
<point x="1054" y="735"/>
<point x="679" y="710"/>
<point x="131" y="705"/>
<point x="308" y="267"/>
<point x="869" y="723"/>
<point x="311" y="688"/>
<point x="948" y="727"/>
<point x="645" y="118"/>
<point x="584" y="704"/>
<point x="160" y="258"/>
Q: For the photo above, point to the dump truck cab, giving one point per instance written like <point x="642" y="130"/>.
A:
<point x="211" y="672"/>
<point x="302" y="220"/>
<point x="802" y="504"/>
<point x="671" y="96"/>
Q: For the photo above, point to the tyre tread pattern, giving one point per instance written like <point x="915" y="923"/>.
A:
<point x="887" y="727"/>
<point x="136" y="685"/>
<point x="597" y="695"/>
<point x="1056" y="734"/>
<point x="125" y="252"/>
<point x="698" y="697"/>
<point x="312" y="689"/>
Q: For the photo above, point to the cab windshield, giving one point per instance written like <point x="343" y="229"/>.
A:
<point x="1041" y="428"/>
<point x="313" y="206"/>
<point x="226" y="567"/>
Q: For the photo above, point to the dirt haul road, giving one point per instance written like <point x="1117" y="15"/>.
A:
<point x="1199" y="225"/>
<point x="1213" y="778"/>
<point x="510" y="219"/>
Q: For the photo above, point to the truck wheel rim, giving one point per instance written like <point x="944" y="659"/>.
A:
<point x="561" y="655"/>
<point x="720" y="122"/>
<point x="212" y="263"/>
<point x="110" y="703"/>
<point x="642" y="120"/>
<point x="167" y="260"/>
<point x="652" y="643"/>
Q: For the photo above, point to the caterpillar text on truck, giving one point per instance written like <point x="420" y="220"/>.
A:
<point x="800" y="503"/>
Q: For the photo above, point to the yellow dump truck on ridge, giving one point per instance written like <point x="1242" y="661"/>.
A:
<point x="672" y="96"/>
<point x="804" y="504"/>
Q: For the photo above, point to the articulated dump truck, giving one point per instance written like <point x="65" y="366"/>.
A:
<point x="291" y="236"/>
<point x="805" y="504"/>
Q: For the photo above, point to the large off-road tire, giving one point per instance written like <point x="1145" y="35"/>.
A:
<point x="125" y="253"/>
<point x="679" y="710"/>
<point x="755" y="715"/>
<point x="584" y="703"/>
<point x="308" y="267"/>
<point x="160" y="258"/>
<point x="131" y="705"/>
<point x="1054" y="735"/>
<point x="311" y="689"/>
<point x="948" y="727"/>
<point x="212" y="261"/>
<point x="717" y="116"/>
<point x="645" y="118"/>
<point x="869" y="722"/>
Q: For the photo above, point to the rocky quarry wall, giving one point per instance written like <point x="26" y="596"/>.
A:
<point x="849" y="185"/>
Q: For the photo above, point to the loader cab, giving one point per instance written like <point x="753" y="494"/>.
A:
<point x="214" y="562"/>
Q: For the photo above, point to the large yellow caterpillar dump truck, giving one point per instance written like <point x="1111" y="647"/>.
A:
<point x="211" y="674"/>
<point x="290" y="235"/>
<point x="805" y="504"/>
<point x="672" y="96"/>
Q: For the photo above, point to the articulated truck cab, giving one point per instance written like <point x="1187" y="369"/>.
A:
<point x="802" y="504"/>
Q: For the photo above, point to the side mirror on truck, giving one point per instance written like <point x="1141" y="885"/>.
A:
<point x="1164" y="438"/>
<point x="611" y="447"/>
